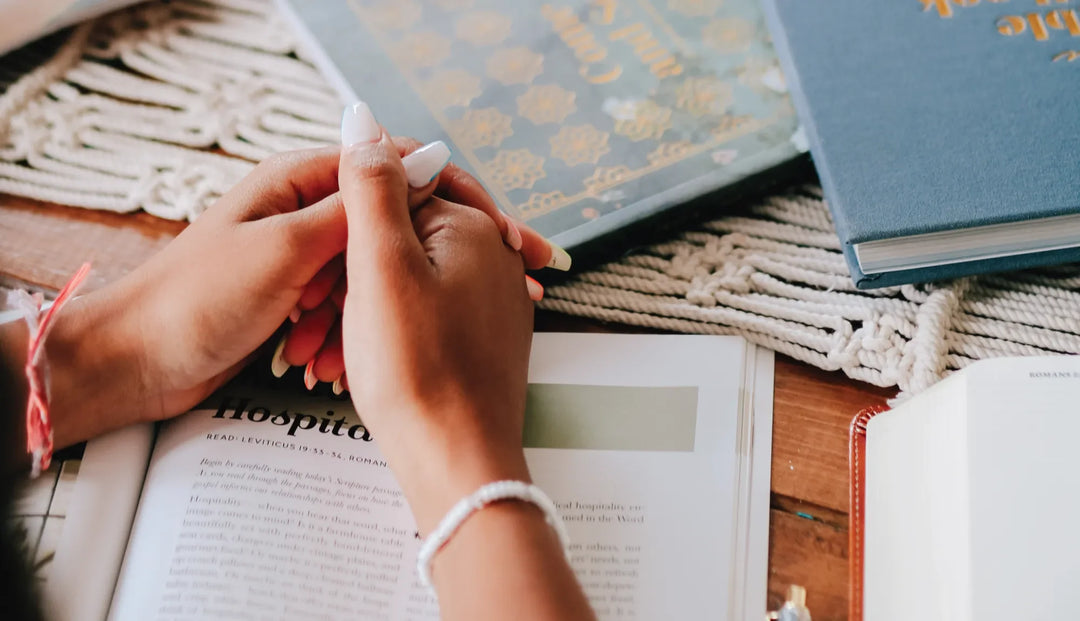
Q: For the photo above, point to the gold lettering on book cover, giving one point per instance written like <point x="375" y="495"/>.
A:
<point x="455" y="87"/>
<point x="485" y="127"/>
<point x="517" y="65"/>
<point x="546" y="103"/>
<point x="516" y="169"/>
<point x="483" y="28"/>
<point x="1040" y="25"/>
<point x="660" y="61"/>
<point x="579" y="144"/>
<point x="595" y="67"/>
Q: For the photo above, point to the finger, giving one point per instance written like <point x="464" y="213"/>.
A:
<point x="375" y="192"/>
<point x="338" y="294"/>
<point x="459" y="186"/>
<point x="422" y="168"/>
<point x="450" y="231"/>
<point x="304" y="241"/>
<point x="320" y="287"/>
<point x="330" y="359"/>
<point x="540" y="252"/>
<point x="308" y="334"/>
<point x="535" y="289"/>
<point x="285" y="182"/>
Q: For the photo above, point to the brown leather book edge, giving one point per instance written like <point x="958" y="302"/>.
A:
<point x="857" y="490"/>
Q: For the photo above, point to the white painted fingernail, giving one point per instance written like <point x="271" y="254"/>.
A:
<point x="294" y="316"/>
<point x="337" y="387"/>
<point x="278" y="366"/>
<point x="358" y="124"/>
<point x="560" y="259"/>
<point x="513" y="233"/>
<point x="423" y="164"/>
<point x="309" y="375"/>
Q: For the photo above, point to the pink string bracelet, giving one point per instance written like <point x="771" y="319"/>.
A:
<point x="39" y="432"/>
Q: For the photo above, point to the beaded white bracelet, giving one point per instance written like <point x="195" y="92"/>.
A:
<point x="487" y="494"/>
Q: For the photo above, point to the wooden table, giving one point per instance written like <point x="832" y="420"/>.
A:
<point x="42" y="245"/>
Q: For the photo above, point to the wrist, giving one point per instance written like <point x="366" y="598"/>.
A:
<point x="437" y="467"/>
<point x="94" y="370"/>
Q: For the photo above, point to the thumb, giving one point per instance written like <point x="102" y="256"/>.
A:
<point x="375" y="190"/>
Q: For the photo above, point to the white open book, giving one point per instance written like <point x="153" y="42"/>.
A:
<point x="257" y="506"/>
<point x="970" y="497"/>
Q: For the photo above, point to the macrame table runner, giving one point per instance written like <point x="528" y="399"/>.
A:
<point x="123" y="115"/>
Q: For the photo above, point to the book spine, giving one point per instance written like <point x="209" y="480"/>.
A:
<point x="857" y="501"/>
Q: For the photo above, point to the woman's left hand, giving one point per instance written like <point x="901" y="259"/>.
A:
<point x="161" y="339"/>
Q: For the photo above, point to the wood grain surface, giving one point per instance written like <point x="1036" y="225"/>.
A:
<point x="42" y="245"/>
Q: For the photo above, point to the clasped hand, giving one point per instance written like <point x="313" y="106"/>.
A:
<point x="411" y="292"/>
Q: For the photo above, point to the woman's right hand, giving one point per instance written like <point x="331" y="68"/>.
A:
<point x="315" y="340"/>
<point x="436" y="327"/>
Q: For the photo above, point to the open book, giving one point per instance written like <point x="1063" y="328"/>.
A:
<point x="257" y="506"/>
<point x="964" y="497"/>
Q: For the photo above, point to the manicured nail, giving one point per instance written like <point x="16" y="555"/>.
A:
<point x="560" y="259"/>
<point x="294" y="316"/>
<point x="309" y="375"/>
<point x="513" y="233"/>
<point x="358" y="124"/>
<point x="536" y="290"/>
<point x="278" y="366"/>
<point x="423" y="164"/>
<point x="337" y="386"/>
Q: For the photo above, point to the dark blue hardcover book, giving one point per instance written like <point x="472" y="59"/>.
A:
<point x="946" y="133"/>
<point x="592" y="120"/>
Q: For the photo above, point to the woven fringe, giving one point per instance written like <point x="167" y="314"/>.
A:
<point x="164" y="106"/>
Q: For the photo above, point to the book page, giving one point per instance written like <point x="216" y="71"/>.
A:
<point x="655" y="522"/>
<point x="91" y="514"/>
<point x="264" y="506"/>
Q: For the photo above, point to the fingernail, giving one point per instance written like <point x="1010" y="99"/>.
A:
<point x="309" y="375"/>
<point x="423" y="164"/>
<point x="294" y="316"/>
<point x="513" y="233"/>
<point x="337" y="386"/>
<point x="560" y="259"/>
<point x="536" y="290"/>
<point x="278" y="366"/>
<point x="358" y="124"/>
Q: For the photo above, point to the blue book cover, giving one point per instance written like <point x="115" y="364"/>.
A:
<point x="584" y="118"/>
<point x="926" y="118"/>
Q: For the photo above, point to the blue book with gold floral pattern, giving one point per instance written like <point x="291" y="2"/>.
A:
<point x="580" y="117"/>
